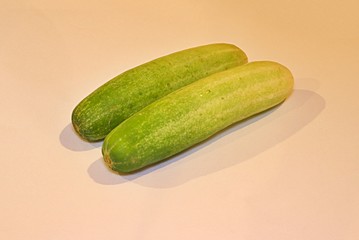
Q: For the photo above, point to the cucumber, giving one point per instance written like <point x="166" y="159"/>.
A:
<point x="97" y="114"/>
<point x="194" y="113"/>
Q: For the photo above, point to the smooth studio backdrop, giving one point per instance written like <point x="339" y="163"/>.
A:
<point x="290" y="173"/>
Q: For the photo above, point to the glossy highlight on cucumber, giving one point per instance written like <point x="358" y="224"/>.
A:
<point x="112" y="103"/>
<point x="194" y="113"/>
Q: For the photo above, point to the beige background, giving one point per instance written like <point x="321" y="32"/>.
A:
<point x="290" y="174"/>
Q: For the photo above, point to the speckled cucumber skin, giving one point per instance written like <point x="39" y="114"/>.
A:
<point x="96" y="115"/>
<point x="194" y="113"/>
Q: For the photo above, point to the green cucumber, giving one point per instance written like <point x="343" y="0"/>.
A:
<point x="109" y="105"/>
<point x="194" y="113"/>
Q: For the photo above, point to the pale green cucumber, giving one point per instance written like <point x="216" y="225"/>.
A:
<point x="194" y="113"/>
<point x="96" y="115"/>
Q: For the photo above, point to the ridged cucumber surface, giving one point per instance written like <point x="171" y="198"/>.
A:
<point x="96" y="115"/>
<point x="194" y="113"/>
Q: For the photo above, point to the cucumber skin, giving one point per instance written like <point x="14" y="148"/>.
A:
<point x="96" y="115"/>
<point x="194" y="113"/>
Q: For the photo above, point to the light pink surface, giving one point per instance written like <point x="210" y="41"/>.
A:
<point x="292" y="173"/>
